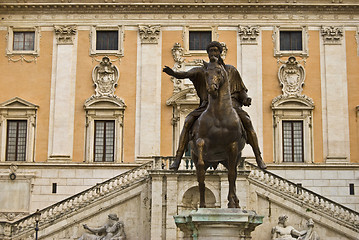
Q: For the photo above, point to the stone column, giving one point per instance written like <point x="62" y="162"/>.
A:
<point x="148" y="93"/>
<point x="334" y="96"/>
<point x="250" y="67"/>
<point x="172" y="194"/>
<point x="62" y="103"/>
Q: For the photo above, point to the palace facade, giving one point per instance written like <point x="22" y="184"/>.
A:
<point x="83" y="99"/>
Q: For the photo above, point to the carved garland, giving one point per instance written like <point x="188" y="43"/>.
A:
<point x="65" y="34"/>
<point x="332" y="35"/>
<point x="248" y="34"/>
<point x="149" y="34"/>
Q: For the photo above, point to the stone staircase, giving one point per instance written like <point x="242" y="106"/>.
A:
<point x="101" y="197"/>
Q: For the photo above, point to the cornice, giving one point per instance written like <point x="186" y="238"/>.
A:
<point x="184" y="8"/>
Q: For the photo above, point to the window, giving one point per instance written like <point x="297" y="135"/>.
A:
<point x="107" y="40"/>
<point x="293" y="141"/>
<point x="290" y="40"/>
<point x="104" y="141"/>
<point x="198" y="40"/>
<point x="24" y="41"/>
<point x="17" y="130"/>
<point x="16" y="140"/>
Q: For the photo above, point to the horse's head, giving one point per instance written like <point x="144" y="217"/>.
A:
<point x="215" y="75"/>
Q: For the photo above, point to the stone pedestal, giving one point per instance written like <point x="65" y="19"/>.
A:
<point x="216" y="223"/>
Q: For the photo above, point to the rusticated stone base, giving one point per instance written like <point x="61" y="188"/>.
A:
<point x="218" y="223"/>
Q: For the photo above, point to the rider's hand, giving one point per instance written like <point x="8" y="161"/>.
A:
<point x="247" y="102"/>
<point x="168" y="70"/>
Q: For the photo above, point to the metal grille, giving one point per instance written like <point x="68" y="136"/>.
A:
<point x="290" y="40"/>
<point x="104" y="141"/>
<point x="16" y="140"/>
<point x="24" y="41"/>
<point x="107" y="40"/>
<point x="293" y="150"/>
<point x="198" y="40"/>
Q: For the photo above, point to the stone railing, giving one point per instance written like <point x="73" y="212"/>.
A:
<point x="307" y="198"/>
<point x="25" y="226"/>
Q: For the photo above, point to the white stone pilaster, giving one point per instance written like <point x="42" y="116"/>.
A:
<point x="249" y="62"/>
<point x="148" y="93"/>
<point x="334" y="96"/>
<point x="172" y="195"/>
<point x="156" y="207"/>
<point x="62" y="103"/>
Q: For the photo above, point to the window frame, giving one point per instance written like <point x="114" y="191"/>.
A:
<point x="104" y="142"/>
<point x="93" y="39"/>
<point x="292" y="138"/>
<point x="10" y="41"/>
<point x="18" y="109"/>
<point x="282" y="53"/>
<point x="16" y="140"/>
<point x="188" y="29"/>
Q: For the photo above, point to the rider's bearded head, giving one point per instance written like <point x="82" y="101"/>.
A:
<point x="219" y="47"/>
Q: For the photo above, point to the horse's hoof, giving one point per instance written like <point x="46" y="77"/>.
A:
<point x="260" y="163"/>
<point x="174" y="166"/>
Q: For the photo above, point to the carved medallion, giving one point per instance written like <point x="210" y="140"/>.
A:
<point x="65" y="34"/>
<point x="105" y="77"/>
<point x="332" y="35"/>
<point x="291" y="77"/>
<point x="149" y="34"/>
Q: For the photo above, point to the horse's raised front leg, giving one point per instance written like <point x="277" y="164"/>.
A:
<point x="233" y="201"/>
<point x="200" y="172"/>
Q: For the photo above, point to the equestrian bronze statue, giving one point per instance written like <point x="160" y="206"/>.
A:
<point x="218" y="129"/>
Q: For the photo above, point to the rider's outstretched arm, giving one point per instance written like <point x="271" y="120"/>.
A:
<point x="181" y="75"/>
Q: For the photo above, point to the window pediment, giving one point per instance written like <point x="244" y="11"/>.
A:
<point x="186" y="96"/>
<point x="105" y="103"/>
<point x="18" y="103"/>
<point x="292" y="102"/>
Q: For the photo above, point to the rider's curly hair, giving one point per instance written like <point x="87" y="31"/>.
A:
<point x="215" y="44"/>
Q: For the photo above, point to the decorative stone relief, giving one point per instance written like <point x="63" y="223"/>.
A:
<point x="285" y="232"/>
<point x="149" y="34"/>
<point x="291" y="77"/>
<point x="225" y="50"/>
<point x="177" y="53"/>
<point x="332" y="35"/>
<point x="105" y="77"/>
<point x="248" y="34"/>
<point x="113" y="229"/>
<point x="65" y="34"/>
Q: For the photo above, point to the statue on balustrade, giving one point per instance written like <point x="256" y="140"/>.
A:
<point x="284" y="232"/>
<point x="239" y="99"/>
<point x="112" y="230"/>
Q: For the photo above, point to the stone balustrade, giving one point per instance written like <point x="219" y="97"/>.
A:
<point x="25" y="226"/>
<point x="311" y="200"/>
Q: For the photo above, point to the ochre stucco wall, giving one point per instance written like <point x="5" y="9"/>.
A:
<point x="312" y="89"/>
<point x="353" y="93"/>
<point x="126" y="90"/>
<point x="169" y="38"/>
<point x="271" y="89"/>
<point x="31" y="82"/>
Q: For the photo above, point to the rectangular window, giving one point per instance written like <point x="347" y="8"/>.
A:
<point x="104" y="141"/>
<point x="24" y="41"/>
<point x="351" y="189"/>
<point x="16" y="140"/>
<point x="106" y="40"/>
<point x="293" y="141"/>
<point x="198" y="40"/>
<point x="291" y="41"/>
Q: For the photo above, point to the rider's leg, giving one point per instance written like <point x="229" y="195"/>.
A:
<point x="183" y="141"/>
<point x="252" y="138"/>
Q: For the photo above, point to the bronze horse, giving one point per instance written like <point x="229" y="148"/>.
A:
<point x="217" y="135"/>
